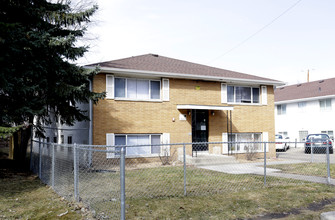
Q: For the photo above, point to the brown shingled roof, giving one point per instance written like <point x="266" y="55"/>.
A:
<point x="306" y="90"/>
<point x="156" y="63"/>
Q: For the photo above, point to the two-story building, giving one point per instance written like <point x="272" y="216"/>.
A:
<point x="305" y="108"/>
<point x="153" y="99"/>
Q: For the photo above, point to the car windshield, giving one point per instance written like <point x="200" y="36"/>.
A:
<point x="317" y="136"/>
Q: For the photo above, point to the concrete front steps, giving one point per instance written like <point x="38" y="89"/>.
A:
<point x="206" y="159"/>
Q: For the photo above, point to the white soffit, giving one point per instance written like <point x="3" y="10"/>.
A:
<point x="206" y="107"/>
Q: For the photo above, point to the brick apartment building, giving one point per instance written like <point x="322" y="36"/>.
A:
<point x="153" y="99"/>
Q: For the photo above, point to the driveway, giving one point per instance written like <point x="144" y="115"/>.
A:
<point x="299" y="154"/>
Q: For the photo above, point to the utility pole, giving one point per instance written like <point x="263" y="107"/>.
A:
<point x="308" y="75"/>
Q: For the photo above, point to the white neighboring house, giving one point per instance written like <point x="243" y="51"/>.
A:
<point x="305" y="108"/>
<point x="79" y="133"/>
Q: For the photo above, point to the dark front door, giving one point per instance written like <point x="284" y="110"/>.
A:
<point x="199" y="129"/>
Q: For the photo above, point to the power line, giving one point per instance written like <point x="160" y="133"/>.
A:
<point x="258" y="31"/>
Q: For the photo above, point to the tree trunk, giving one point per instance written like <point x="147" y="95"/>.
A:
<point x="21" y="141"/>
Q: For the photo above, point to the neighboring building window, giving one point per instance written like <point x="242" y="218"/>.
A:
<point x="137" y="89"/>
<point x="144" y="139"/>
<point x="69" y="139"/>
<point x="330" y="134"/>
<point x="62" y="139"/>
<point x="55" y="139"/>
<point x="302" y="106"/>
<point x="283" y="133"/>
<point x="325" y="104"/>
<point x="245" y="137"/>
<point x="48" y="139"/>
<point x="281" y="109"/>
<point x="302" y="135"/>
<point x="242" y="94"/>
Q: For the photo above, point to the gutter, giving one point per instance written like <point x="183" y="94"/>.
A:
<point x="304" y="99"/>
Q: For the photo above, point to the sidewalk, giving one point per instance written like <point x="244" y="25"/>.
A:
<point x="258" y="169"/>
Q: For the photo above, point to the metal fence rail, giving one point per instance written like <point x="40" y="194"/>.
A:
<point x="106" y="178"/>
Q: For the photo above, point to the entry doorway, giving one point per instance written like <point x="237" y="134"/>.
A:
<point x="199" y="129"/>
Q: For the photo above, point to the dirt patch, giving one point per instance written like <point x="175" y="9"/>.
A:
<point x="315" y="206"/>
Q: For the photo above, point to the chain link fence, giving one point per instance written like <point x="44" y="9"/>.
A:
<point x="108" y="178"/>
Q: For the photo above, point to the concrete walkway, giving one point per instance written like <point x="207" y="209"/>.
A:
<point x="258" y="169"/>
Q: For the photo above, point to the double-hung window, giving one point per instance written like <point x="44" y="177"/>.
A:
<point x="281" y="109"/>
<point x="325" y="104"/>
<point x="242" y="94"/>
<point x="149" y="144"/>
<point x="137" y="89"/>
<point x="245" y="142"/>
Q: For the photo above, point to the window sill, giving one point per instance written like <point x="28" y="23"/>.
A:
<point x="137" y="100"/>
<point x="247" y="104"/>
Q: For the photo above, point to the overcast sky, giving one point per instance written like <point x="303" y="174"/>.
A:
<point x="277" y="39"/>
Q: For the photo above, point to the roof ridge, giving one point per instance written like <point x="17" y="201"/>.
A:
<point x="315" y="81"/>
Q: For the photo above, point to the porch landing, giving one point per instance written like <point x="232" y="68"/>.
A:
<point x="205" y="158"/>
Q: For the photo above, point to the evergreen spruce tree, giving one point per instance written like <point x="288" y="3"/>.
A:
<point x="37" y="70"/>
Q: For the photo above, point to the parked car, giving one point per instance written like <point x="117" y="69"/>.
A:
<point x="319" y="143"/>
<point x="281" y="143"/>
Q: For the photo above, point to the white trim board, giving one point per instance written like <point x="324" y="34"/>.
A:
<point x="205" y="107"/>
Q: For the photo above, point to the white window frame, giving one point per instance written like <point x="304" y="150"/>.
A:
<point x="225" y="86"/>
<point x="242" y="149"/>
<point x="280" y="109"/>
<point x="67" y="139"/>
<point x="302" y="135"/>
<point x="149" y="145"/>
<point x="325" y="107"/>
<point x="284" y="134"/>
<point x="329" y="132"/>
<point x="137" y="99"/>
<point x="302" y="106"/>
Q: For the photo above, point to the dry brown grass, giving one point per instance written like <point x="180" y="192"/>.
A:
<point x="23" y="196"/>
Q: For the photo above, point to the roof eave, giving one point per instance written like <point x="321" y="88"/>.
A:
<point x="187" y="76"/>
<point x="304" y="99"/>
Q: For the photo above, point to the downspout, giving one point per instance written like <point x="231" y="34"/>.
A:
<point x="228" y="145"/>
<point x="231" y="127"/>
<point x="90" y="130"/>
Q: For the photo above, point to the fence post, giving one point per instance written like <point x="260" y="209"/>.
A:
<point x="75" y="171"/>
<point x="123" y="184"/>
<point x="264" y="163"/>
<point x="52" y="166"/>
<point x="328" y="165"/>
<point x="39" y="159"/>
<point x="296" y="143"/>
<point x="184" y="160"/>
<point x="312" y="156"/>
<point x="90" y="156"/>
<point x="31" y="147"/>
